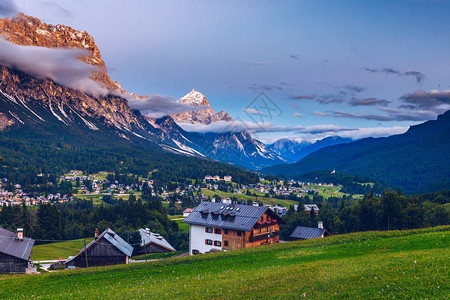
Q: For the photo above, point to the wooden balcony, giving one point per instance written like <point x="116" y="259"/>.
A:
<point x="263" y="236"/>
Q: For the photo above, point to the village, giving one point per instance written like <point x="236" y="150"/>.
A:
<point x="212" y="199"/>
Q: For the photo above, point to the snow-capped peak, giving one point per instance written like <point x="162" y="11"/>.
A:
<point x="195" y="98"/>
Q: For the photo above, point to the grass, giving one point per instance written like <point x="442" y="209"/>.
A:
<point x="57" y="250"/>
<point x="158" y="255"/>
<point x="370" y="265"/>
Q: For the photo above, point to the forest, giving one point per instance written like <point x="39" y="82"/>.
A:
<point x="80" y="218"/>
<point x="391" y="211"/>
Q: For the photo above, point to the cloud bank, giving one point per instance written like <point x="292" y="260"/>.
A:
<point x="60" y="65"/>
<point x="157" y="106"/>
<point x="437" y="101"/>
<point x="417" y="75"/>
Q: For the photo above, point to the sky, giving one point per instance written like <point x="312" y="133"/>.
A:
<point x="297" y="69"/>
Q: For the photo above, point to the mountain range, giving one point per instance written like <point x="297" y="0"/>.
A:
<point x="39" y="101"/>
<point x="294" y="151"/>
<point x="417" y="161"/>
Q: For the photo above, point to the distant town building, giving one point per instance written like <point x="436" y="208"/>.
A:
<point x="106" y="249"/>
<point x="187" y="211"/>
<point x="220" y="227"/>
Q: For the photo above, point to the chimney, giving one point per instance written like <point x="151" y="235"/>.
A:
<point x="20" y="234"/>
<point x="320" y="224"/>
<point x="96" y="233"/>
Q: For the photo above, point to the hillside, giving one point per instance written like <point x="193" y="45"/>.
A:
<point x="417" y="161"/>
<point x="395" y="264"/>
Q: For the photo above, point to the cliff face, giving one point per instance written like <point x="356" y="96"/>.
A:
<point x="28" y="31"/>
<point x="64" y="103"/>
<point x="202" y="116"/>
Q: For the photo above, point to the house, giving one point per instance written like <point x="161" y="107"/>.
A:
<point x="187" y="211"/>
<point x="153" y="242"/>
<point x="220" y="227"/>
<point x="106" y="249"/>
<point x="15" y="252"/>
<point x="306" y="233"/>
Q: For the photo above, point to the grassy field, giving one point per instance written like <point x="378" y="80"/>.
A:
<point x="57" y="250"/>
<point x="158" y="255"/>
<point x="265" y="200"/>
<point x="370" y="265"/>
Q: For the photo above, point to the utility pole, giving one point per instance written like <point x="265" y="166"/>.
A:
<point x="85" y="253"/>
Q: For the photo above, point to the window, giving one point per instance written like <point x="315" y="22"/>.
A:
<point x="225" y="243"/>
<point x="208" y="242"/>
<point x="260" y="230"/>
<point x="208" y="229"/>
<point x="239" y="233"/>
<point x="217" y="243"/>
<point x="218" y="231"/>
<point x="225" y="231"/>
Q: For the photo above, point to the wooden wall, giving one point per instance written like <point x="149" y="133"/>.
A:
<point x="254" y="237"/>
<point x="103" y="253"/>
<point x="10" y="264"/>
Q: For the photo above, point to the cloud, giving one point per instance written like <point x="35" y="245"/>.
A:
<point x="369" y="102"/>
<point x="417" y="75"/>
<point x="295" y="56"/>
<point x="7" y="8"/>
<point x="304" y="97"/>
<point x="298" y="115"/>
<point x="393" y="115"/>
<point x="60" y="65"/>
<point x="267" y="87"/>
<point x="253" y="111"/>
<point x="157" y="106"/>
<point x="323" y="99"/>
<point x="354" y="88"/>
<point x="320" y="114"/>
<point x="296" y="106"/>
<point x="321" y="129"/>
<point x="437" y="101"/>
<point x="360" y="133"/>
<point x="238" y="126"/>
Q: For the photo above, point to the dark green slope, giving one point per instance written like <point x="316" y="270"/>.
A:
<point x="417" y="161"/>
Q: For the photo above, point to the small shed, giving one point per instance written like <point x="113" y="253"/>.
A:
<point x="15" y="251"/>
<point x="106" y="249"/>
<point x="153" y="242"/>
<point x="306" y="233"/>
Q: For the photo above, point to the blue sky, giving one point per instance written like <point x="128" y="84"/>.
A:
<point x="379" y="66"/>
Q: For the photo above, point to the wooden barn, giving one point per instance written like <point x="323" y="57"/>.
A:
<point x="153" y="243"/>
<point x="220" y="227"/>
<point x="307" y="233"/>
<point x="106" y="249"/>
<point x="15" y="251"/>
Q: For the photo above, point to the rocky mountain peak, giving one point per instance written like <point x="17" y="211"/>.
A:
<point x="195" y="98"/>
<point x="202" y="116"/>
<point x="29" y="31"/>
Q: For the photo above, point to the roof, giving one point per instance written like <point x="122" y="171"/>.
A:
<point x="111" y="237"/>
<point x="308" y="207"/>
<point x="148" y="237"/>
<point x="307" y="232"/>
<point x="188" y="210"/>
<point x="228" y="216"/>
<point x="10" y="245"/>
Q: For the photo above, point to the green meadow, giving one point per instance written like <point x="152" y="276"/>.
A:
<point x="59" y="250"/>
<point x="365" y="265"/>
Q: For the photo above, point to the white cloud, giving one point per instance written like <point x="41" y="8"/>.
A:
<point x="157" y="106"/>
<point x="60" y="65"/>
